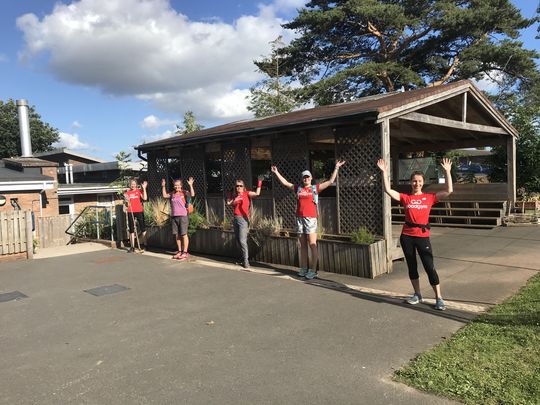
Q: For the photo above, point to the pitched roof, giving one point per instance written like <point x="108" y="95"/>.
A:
<point x="11" y="175"/>
<point x="367" y="107"/>
<point x="66" y="151"/>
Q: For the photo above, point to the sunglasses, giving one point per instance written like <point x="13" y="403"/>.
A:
<point x="239" y="185"/>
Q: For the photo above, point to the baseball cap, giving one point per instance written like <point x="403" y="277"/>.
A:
<point x="306" y="173"/>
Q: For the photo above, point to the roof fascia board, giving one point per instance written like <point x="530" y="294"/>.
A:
<point x="26" y="185"/>
<point x="444" y="122"/>
<point x="306" y="125"/>
<point x="87" y="190"/>
<point x="418" y="104"/>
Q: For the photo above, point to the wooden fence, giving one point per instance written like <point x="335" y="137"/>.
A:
<point x="52" y="230"/>
<point x="16" y="234"/>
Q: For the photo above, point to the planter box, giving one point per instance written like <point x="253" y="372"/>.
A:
<point x="160" y="237"/>
<point x="334" y="256"/>
<point x="367" y="261"/>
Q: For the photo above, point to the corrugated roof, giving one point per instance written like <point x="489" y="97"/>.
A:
<point x="369" y="106"/>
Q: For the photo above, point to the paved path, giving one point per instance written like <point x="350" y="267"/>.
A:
<point x="206" y="332"/>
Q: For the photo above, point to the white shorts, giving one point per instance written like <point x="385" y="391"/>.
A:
<point x="306" y="225"/>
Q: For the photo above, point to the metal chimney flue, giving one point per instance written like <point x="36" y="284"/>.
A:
<point x="24" y="128"/>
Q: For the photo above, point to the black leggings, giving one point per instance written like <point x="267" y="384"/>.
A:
<point x="413" y="244"/>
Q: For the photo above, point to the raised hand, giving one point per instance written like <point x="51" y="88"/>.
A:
<point x="381" y="164"/>
<point x="163" y="183"/>
<point x="446" y="164"/>
<point x="339" y="163"/>
<point x="190" y="181"/>
<point x="274" y="169"/>
<point x="144" y="184"/>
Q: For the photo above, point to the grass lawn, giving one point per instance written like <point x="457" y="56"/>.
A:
<point x="493" y="360"/>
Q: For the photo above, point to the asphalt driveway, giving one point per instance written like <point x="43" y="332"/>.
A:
<point x="200" y="334"/>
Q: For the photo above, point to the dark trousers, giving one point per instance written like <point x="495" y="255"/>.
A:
<point x="413" y="244"/>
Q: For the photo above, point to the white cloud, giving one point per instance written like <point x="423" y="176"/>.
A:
<point x="76" y="124"/>
<point x="70" y="141"/>
<point x="155" y="53"/>
<point x="490" y="83"/>
<point x="154" y="122"/>
<point x="156" y="137"/>
<point x="289" y="5"/>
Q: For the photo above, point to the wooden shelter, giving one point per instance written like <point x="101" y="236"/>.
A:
<point x="446" y="117"/>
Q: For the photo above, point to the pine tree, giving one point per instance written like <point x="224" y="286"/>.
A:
<point x="272" y="95"/>
<point x="190" y="124"/>
<point x="352" y="48"/>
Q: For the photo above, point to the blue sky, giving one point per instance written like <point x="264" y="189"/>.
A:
<point x="108" y="79"/>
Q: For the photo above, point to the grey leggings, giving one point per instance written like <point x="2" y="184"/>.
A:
<point x="241" y="229"/>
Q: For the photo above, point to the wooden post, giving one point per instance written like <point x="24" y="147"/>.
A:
<point x="464" y="108"/>
<point x="386" y="205"/>
<point x="29" y="238"/>
<point x="511" y="170"/>
<point x="338" y="215"/>
<point x="395" y="168"/>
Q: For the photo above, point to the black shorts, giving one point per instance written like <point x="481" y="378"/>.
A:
<point x="139" y="216"/>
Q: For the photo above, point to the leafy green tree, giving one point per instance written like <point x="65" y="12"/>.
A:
<point x="352" y="48"/>
<point x="272" y="95"/>
<point x="43" y="135"/>
<point x="125" y="175"/>
<point x="190" y="124"/>
<point x="123" y="157"/>
<point x="525" y="117"/>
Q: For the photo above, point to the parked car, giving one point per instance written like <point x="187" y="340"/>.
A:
<point x="475" y="168"/>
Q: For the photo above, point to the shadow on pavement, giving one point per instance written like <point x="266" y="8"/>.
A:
<point x="453" y="314"/>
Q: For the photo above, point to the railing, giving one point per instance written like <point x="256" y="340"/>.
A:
<point x="94" y="223"/>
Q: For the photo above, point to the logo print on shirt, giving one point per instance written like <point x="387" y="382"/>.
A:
<point x="418" y="204"/>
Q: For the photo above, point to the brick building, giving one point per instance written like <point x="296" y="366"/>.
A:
<point x="29" y="184"/>
<point x="87" y="181"/>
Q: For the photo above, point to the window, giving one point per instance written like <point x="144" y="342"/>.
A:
<point x="66" y="205"/>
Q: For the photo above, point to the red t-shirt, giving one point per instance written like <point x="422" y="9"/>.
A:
<point x="241" y="204"/>
<point x="417" y="209"/>
<point x="306" y="206"/>
<point x="135" y="204"/>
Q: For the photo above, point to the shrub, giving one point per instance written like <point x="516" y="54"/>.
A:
<point x="362" y="236"/>
<point x="196" y="221"/>
<point x="157" y="212"/>
<point x="263" y="227"/>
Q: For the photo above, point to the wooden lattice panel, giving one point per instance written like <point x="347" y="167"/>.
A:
<point x="235" y="164"/>
<point x="360" y="190"/>
<point x="290" y="155"/>
<point x="193" y="166"/>
<point x="157" y="170"/>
